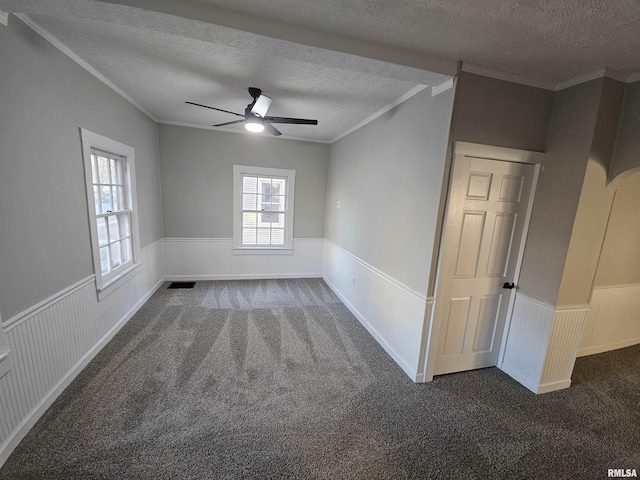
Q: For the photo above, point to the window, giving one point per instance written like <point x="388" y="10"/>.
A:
<point x="110" y="181"/>
<point x="263" y="209"/>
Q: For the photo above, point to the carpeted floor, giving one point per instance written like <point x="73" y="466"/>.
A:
<point x="276" y="379"/>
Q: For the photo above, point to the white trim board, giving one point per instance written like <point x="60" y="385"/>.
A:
<point x="414" y="91"/>
<point x="46" y="303"/>
<point x="388" y="278"/>
<point x="393" y="314"/>
<point x="34" y="415"/>
<point x="36" y="27"/>
<point x="56" y="339"/>
<point x="214" y="259"/>
<point x="491" y="152"/>
<point x="554" y="87"/>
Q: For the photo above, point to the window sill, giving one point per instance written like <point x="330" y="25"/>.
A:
<point x="116" y="282"/>
<point x="262" y="251"/>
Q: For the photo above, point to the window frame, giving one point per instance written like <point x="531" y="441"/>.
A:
<point x="290" y="176"/>
<point x="107" y="283"/>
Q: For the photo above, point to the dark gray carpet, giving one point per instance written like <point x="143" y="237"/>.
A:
<point x="276" y="379"/>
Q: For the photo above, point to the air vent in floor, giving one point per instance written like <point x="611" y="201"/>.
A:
<point x="182" y="285"/>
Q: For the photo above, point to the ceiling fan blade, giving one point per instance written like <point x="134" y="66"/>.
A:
<point x="261" y="105"/>
<point x="229" y="123"/>
<point x="296" y="121"/>
<point x="271" y="129"/>
<point x="214" y="108"/>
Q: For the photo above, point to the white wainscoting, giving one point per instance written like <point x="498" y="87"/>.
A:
<point x="542" y="344"/>
<point x="613" y="321"/>
<point x="392" y="312"/>
<point x="53" y="341"/>
<point x="213" y="259"/>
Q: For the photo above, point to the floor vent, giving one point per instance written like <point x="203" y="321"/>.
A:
<point x="182" y="285"/>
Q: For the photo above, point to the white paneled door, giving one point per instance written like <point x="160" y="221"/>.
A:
<point x="485" y="220"/>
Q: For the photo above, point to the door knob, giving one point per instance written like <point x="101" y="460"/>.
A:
<point x="508" y="285"/>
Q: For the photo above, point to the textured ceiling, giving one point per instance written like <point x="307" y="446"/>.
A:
<point x="545" y="40"/>
<point x="335" y="60"/>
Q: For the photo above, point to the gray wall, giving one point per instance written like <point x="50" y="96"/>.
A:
<point x="595" y="202"/>
<point x="44" y="99"/>
<point x="197" y="179"/>
<point x="387" y="177"/>
<point x="499" y="113"/>
<point x="568" y="146"/>
<point x="627" y="153"/>
<point x="620" y="258"/>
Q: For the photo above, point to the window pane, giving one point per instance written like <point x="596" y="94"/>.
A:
<point x="114" y="228"/>
<point x="104" y="260"/>
<point x="103" y="170"/>
<point x="116" y="259"/>
<point x="264" y="185"/>
<point x="126" y="250"/>
<point x="119" y="192"/>
<point x="102" y="231"/>
<point x="277" y="186"/>
<point x="265" y="202"/>
<point x="248" y="236"/>
<point x="268" y="219"/>
<point x="277" y="236"/>
<point x="117" y="202"/>
<point x="277" y="203"/>
<point x="125" y="230"/>
<point x="105" y="199"/>
<point x="114" y="170"/>
<point x="249" y="184"/>
<point x="264" y="236"/>
<point x="94" y="169"/>
<point x="96" y="198"/>
<point x="249" y="201"/>
<point x="249" y="220"/>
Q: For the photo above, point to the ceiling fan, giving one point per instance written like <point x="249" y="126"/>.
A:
<point x="255" y="119"/>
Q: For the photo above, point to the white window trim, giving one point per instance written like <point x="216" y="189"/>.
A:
<point x="238" y="248"/>
<point x="91" y="140"/>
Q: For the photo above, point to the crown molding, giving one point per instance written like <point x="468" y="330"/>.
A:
<point x="31" y="23"/>
<point x="443" y="87"/>
<point x="634" y="77"/>
<point x="587" y="77"/>
<point x="507" y="77"/>
<point x="414" y="91"/>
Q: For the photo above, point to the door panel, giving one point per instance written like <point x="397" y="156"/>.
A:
<point x="485" y="218"/>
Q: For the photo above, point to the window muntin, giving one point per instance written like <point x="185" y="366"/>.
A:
<point x="263" y="204"/>
<point x="263" y="210"/>
<point x="113" y="218"/>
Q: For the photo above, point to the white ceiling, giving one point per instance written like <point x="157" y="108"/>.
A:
<point x="339" y="61"/>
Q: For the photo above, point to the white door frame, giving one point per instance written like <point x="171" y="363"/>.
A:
<point x="476" y="150"/>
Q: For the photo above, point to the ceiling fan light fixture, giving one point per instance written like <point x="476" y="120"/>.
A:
<point x="254" y="125"/>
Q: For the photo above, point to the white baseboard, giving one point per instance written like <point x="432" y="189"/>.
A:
<point x="542" y="344"/>
<point x="214" y="259"/>
<point x="519" y="377"/>
<point x="239" y="276"/>
<point x="412" y="373"/>
<point x="77" y="328"/>
<point x="607" y="348"/>
<point x="613" y="320"/>
<point x="391" y="312"/>
<point x="32" y="417"/>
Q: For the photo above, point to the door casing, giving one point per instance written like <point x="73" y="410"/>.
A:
<point x="434" y="325"/>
